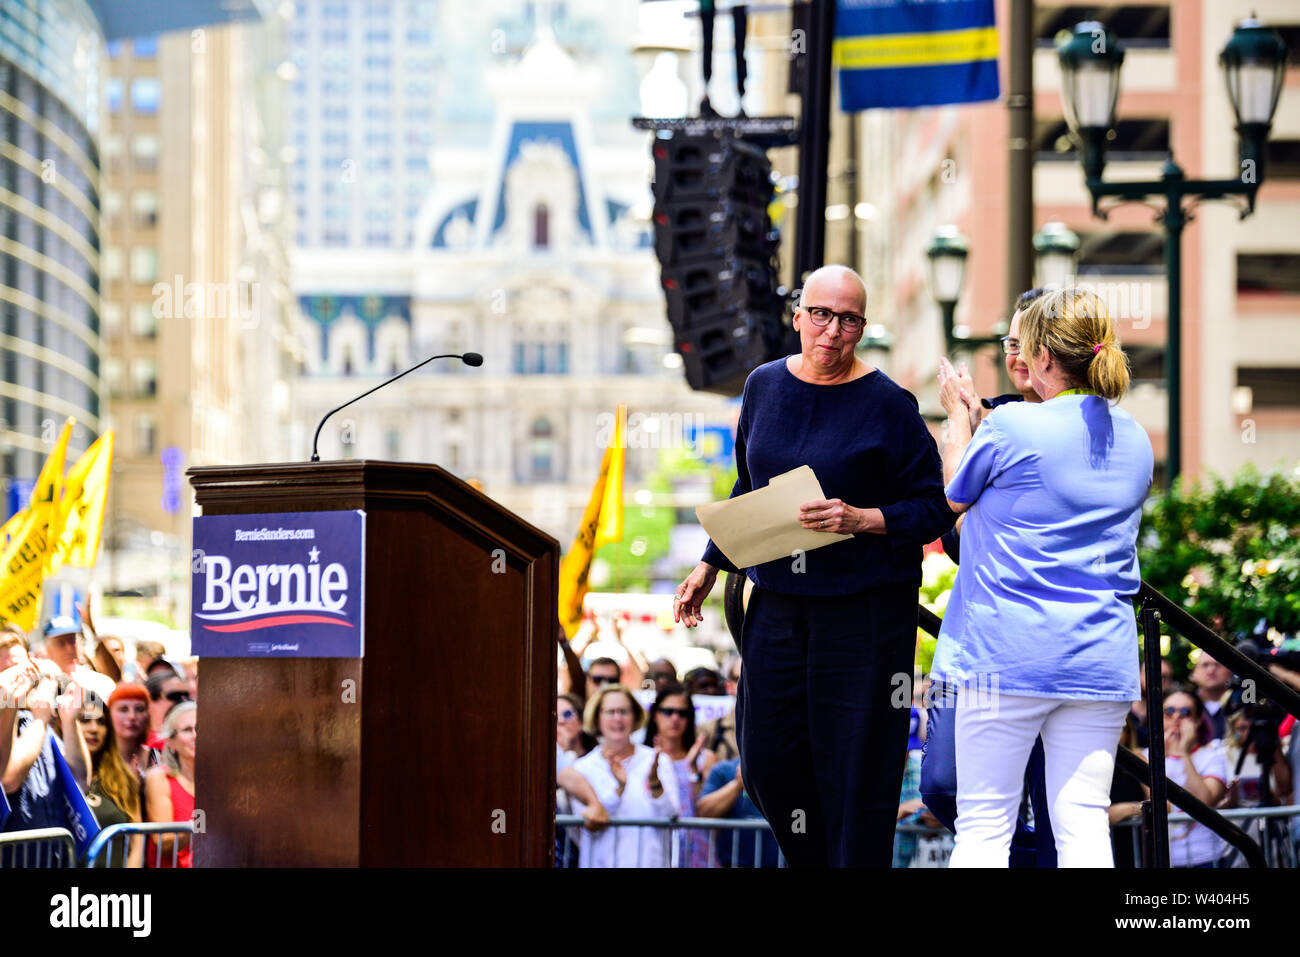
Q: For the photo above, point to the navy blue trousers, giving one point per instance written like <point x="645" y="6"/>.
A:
<point x="1030" y="846"/>
<point x="822" y="713"/>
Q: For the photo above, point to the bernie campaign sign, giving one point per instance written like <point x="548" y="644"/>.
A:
<point x="286" y="585"/>
<point x="915" y="52"/>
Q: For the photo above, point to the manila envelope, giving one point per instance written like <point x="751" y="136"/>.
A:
<point x="763" y="525"/>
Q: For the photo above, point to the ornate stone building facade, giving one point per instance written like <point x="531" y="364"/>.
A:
<point x="534" y="250"/>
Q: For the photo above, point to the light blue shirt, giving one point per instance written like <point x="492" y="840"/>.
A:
<point x="1042" y="602"/>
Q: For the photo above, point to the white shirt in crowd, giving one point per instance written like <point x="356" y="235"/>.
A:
<point x="628" y="846"/>
<point x="1191" y="843"/>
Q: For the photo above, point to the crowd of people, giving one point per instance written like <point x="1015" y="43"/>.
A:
<point x="610" y="750"/>
<point x="119" y="715"/>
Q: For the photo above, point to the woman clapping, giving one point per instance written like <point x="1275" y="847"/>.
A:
<point x="1039" y="633"/>
<point x="629" y="781"/>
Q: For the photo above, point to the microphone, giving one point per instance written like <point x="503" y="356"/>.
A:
<point x="469" y="358"/>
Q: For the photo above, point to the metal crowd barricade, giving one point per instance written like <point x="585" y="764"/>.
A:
<point x="674" y="827"/>
<point x="39" y="847"/>
<point x="1272" y="828"/>
<point x="113" y="844"/>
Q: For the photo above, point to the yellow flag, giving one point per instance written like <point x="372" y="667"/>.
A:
<point x="85" y="494"/>
<point x="602" y="523"/>
<point x="10" y="528"/>
<point x="610" y="528"/>
<point x="29" y="554"/>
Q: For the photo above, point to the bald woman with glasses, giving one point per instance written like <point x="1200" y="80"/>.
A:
<point x="829" y="632"/>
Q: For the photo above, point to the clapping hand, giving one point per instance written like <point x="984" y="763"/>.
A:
<point x="70" y="703"/>
<point x="620" y="773"/>
<point x="15" y="682"/>
<point x="699" y="757"/>
<point x="652" y="779"/>
<point x="40" y="701"/>
<point x="957" y="392"/>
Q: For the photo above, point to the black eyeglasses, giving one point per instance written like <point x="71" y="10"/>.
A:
<point x="1010" y="347"/>
<point x="176" y="697"/>
<point x="682" y="713"/>
<point x="603" y="679"/>
<point x="1181" y="712"/>
<point x="850" y="322"/>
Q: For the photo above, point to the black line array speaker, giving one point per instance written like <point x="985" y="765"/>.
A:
<point x="717" y="250"/>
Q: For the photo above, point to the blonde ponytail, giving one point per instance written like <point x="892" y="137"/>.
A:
<point x="1075" y="328"/>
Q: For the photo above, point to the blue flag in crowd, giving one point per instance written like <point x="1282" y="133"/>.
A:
<point x="81" y="819"/>
<point x="4" y="809"/>
<point x="915" y="52"/>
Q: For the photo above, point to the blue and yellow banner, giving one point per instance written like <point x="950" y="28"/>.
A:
<point x="907" y="53"/>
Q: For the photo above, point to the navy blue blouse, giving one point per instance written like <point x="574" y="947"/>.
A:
<point x="868" y="446"/>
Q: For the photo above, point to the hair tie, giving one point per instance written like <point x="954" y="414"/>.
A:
<point x="1096" y="348"/>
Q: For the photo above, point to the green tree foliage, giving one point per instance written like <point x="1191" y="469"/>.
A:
<point x="1227" y="552"/>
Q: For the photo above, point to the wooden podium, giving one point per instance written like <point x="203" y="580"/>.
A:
<point x="443" y="753"/>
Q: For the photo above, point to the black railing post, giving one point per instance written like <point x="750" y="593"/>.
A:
<point x="1157" y="821"/>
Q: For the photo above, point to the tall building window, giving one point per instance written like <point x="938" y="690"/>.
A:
<point x="144" y="324"/>
<point x="144" y="152"/>
<point x="110" y="319"/>
<point x="110" y="264"/>
<point x="145" y="93"/>
<point x="144" y="378"/>
<point x="144" y="48"/>
<point x="144" y="208"/>
<point x="111" y="149"/>
<point x="144" y="265"/>
<point x="110" y="207"/>
<point x="1284" y="159"/>
<point x="541" y="226"/>
<point x="113" y="95"/>
<point x="113" y="377"/>
<point x="542" y="450"/>
<point x="1272" y="272"/>
<point x="146" y="438"/>
<point x="394" y="444"/>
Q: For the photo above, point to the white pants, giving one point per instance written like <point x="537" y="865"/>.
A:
<point x="994" y="735"/>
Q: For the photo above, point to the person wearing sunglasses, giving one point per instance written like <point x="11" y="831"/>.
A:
<point x="1194" y="759"/>
<point x="166" y="689"/>
<point x="827" y="630"/>
<point x="670" y="726"/>
<point x="169" y="788"/>
<point x="602" y="673"/>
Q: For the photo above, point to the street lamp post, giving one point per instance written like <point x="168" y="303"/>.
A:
<point x="1056" y="249"/>
<point x="1253" y="62"/>
<point x="947" y="252"/>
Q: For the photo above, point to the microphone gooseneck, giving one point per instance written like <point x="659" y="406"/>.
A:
<point x="469" y="358"/>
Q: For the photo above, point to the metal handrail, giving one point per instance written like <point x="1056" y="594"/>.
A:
<point x="1154" y="608"/>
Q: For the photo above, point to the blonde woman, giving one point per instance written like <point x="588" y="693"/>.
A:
<point x="1039" y="634"/>
<point x="626" y="780"/>
<point x="169" y="788"/>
